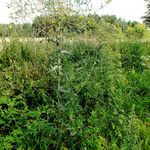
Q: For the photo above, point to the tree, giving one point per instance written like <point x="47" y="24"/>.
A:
<point x="137" y="31"/>
<point x="28" y="9"/>
<point x="147" y="16"/>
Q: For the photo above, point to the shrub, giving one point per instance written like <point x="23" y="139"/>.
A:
<point x="85" y="96"/>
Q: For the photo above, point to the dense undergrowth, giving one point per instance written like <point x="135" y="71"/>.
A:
<point x="82" y="97"/>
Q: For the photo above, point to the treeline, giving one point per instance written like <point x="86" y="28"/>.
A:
<point x="43" y="26"/>
<point x="11" y="29"/>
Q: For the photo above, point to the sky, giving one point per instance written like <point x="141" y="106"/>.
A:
<point x="126" y="9"/>
<point x="4" y="12"/>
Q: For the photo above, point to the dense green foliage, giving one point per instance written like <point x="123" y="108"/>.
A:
<point x="44" y="26"/>
<point x="72" y="81"/>
<point x="86" y="96"/>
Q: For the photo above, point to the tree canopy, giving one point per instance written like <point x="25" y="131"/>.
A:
<point x="147" y="16"/>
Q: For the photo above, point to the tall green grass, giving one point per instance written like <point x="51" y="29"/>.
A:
<point x="80" y="97"/>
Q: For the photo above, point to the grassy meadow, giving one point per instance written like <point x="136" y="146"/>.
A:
<point x="78" y="96"/>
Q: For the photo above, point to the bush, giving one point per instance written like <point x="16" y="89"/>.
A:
<point x="82" y="97"/>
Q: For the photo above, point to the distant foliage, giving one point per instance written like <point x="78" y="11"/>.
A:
<point x="136" y="31"/>
<point x="44" y="26"/>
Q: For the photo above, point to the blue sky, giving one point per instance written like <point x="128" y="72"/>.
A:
<point x="127" y="9"/>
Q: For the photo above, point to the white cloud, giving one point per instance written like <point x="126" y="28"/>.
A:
<point x="127" y="9"/>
